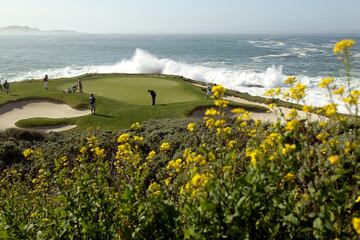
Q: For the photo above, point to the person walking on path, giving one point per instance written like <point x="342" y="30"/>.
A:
<point x="153" y="96"/>
<point x="92" y="103"/>
<point x="208" y="90"/>
<point x="46" y="82"/>
<point x="80" y="86"/>
<point x="6" y="87"/>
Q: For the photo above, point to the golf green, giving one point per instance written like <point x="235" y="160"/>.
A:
<point x="121" y="99"/>
<point x="134" y="89"/>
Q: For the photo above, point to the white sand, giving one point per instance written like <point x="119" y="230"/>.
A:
<point x="15" y="111"/>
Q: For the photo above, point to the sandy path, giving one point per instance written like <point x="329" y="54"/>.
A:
<point x="272" y="116"/>
<point x="12" y="112"/>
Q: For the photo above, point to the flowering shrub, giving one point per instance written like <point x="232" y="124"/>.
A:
<point x="222" y="178"/>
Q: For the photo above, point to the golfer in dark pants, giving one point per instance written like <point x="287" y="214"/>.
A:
<point x="92" y="103"/>
<point x="153" y="96"/>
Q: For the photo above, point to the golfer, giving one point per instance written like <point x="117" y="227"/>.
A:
<point x="153" y="96"/>
<point x="92" y="103"/>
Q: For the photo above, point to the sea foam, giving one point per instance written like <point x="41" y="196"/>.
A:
<point x="145" y="62"/>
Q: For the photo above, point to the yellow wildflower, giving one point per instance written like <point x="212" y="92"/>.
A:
<point x="221" y="103"/>
<point x="334" y="159"/>
<point x="243" y="124"/>
<point x="339" y="91"/>
<point x="292" y="125"/>
<point x="219" y="123"/>
<point x="252" y="133"/>
<point x="83" y="150"/>
<point x="253" y="154"/>
<point x="91" y="139"/>
<point x="289" y="177"/>
<point x="323" y="124"/>
<point x="307" y="108"/>
<point x="175" y="164"/>
<point x="227" y="169"/>
<point x="246" y="116"/>
<point x="165" y="146"/>
<point x="322" y="136"/>
<point x="167" y="181"/>
<point x="231" y="144"/>
<point x="293" y="113"/>
<point x="270" y="92"/>
<point x="34" y="215"/>
<point x="277" y="91"/>
<point x="356" y="224"/>
<point x="357" y="199"/>
<point x="350" y="100"/>
<point x="325" y="82"/>
<point x="298" y="92"/>
<point x="186" y="153"/>
<point x="290" y="80"/>
<point x="151" y="155"/>
<point x="210" y="123"/>
<point x="271" y="139"/>
<point x="199" y="180"/>
<point x="27" y="152"/>
<point x="330" y="109"/>
<point x="349" y="146"/>
<point x="139" y="139"/>
<point x="190" y="127"/>
<point x="288" y="148"/>
<point x="333" y="142"/>
<point x="123" y="138"/>
<point x="211" y="156"/>
<point x="243" y="116"/>
<point x="218" y="91"/>
<point x="200" y="159"/>
<point x="355" y="93"/>
<point x="238" y="110"/>
<point x="154" y="188"/>
<point x="272" y="105"/>
<point x="135" y="126"/>
<point x="227" y="130"/>
<point x="99" y="152"/>
<point x="343" y="46"/>
<point x="211" y="112"/>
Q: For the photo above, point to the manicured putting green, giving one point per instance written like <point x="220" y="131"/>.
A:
<point x="121" y="99"/>
<point x="133" y="89"/>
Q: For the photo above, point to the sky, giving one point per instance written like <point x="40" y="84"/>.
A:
<point x="185" y="16"/>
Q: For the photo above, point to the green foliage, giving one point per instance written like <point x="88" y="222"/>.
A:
<point x="74" y="192"/>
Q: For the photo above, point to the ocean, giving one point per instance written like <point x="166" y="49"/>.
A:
<point x="247" y="63"/>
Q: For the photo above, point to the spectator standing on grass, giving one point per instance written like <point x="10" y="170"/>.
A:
<point x="46" y="82"/>
<point x="153" y="96"/>
<point x="6" y="87"/>
<point x="92" y="103"/>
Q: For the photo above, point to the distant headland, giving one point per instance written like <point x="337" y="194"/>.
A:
<point x="26" y="30"/>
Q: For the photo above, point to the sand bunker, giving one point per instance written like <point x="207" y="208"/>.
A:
<point x="15" y="111"/>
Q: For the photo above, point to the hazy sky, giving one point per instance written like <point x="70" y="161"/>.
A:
<point x="185" y="16"/>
